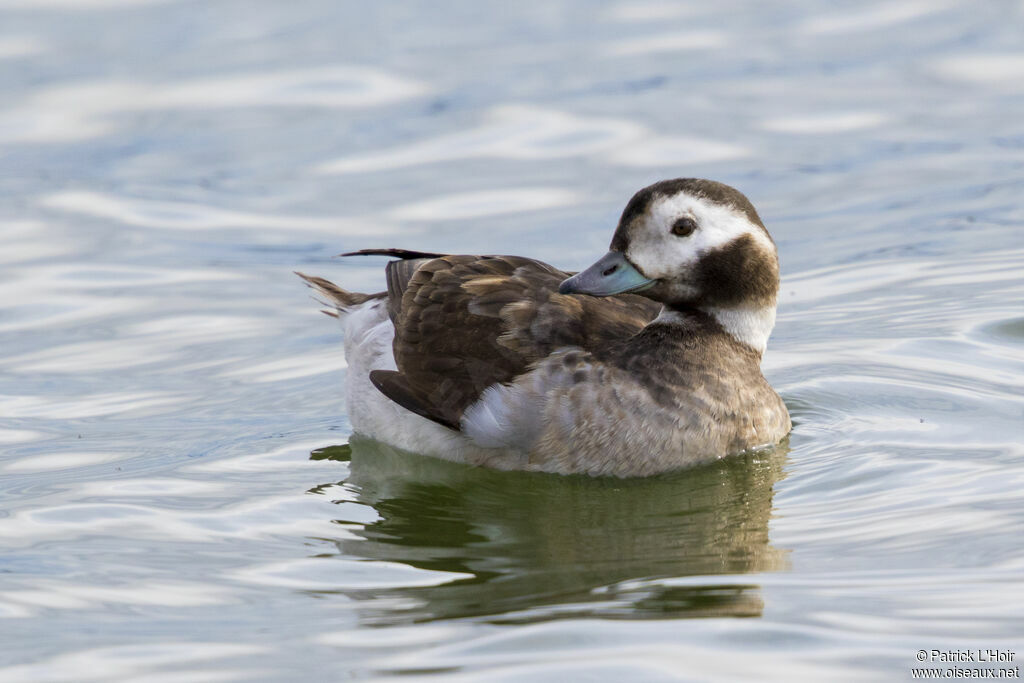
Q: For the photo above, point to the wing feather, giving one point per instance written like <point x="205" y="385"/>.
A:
<point x="464" y="323"/>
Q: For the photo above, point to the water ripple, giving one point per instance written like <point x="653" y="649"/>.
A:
<point x="18" y="47"/>
<point x="871" y="17"/>
<point x="79" y="111"/>
<point x="337" y="574"/>
<point x="681" y="41"/>
<point x="999" y="70"/>
<point x="151" y="213"/>
<point x="486" y="203"/>
<point x="532" y="133"/>
<point x="826" y="124"/>
<point x="135" y="661"/>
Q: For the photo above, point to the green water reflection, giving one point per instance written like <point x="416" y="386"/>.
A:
<point x="541" y="547"/>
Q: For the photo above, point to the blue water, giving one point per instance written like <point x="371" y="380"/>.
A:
<point x="179" y="495"/>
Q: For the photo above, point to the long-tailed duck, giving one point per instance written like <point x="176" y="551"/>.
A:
<point x="647" y="361"/>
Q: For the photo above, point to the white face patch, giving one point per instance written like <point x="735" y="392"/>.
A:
<point x="659" y="254"/>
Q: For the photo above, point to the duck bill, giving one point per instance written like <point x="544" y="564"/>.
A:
<point x="612" y="274"/>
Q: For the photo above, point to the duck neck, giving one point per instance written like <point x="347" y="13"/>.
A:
<point x="748" y="325"/>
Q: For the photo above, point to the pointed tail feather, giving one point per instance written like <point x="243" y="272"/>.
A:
<point x="399" y="272"/>
<point x="339" y="299"/>
<point x="396" y="253"/>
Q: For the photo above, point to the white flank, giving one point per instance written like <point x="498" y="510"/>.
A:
<point x="368" y="338"/>
<point x="369" y="335"/>
<point x="506" y="416"/>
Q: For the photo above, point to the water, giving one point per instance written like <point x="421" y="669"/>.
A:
<point x="178" y="499"/>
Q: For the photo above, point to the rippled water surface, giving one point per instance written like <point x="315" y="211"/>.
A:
<point x="181" y="498"/>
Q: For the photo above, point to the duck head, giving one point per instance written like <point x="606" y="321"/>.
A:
<point x="692" y="244"/>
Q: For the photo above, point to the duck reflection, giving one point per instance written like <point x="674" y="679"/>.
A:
<point x="538" y="546"/>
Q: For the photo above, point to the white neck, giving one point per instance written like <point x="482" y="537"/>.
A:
<point x="750" y="326"/>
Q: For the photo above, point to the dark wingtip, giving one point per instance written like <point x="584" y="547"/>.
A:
<point x="393" y="385"/>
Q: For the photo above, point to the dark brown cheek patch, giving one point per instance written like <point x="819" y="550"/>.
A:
<point x="741" y="272"/>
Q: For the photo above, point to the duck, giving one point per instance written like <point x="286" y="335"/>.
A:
<point x="648" y="361"/>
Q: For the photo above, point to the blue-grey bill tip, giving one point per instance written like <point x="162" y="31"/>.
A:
<point x="612" y="274"/>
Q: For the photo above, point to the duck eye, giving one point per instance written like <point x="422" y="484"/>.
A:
<point x="684" y="226"/>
